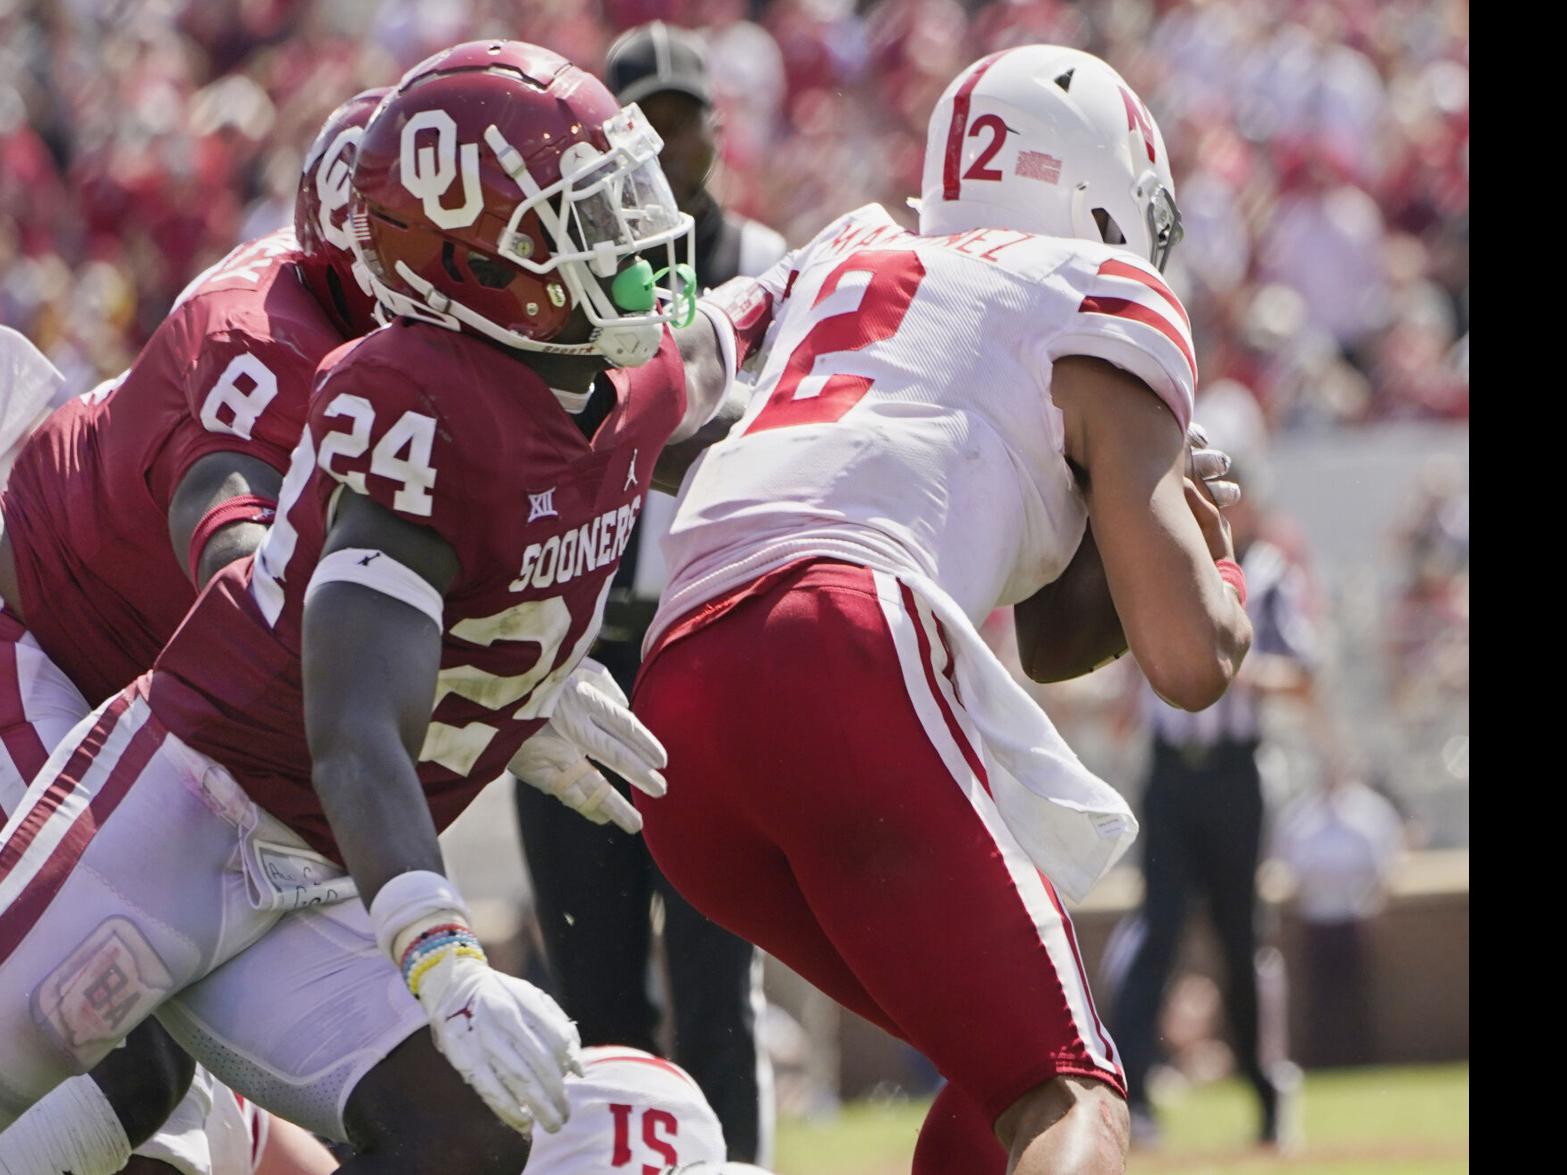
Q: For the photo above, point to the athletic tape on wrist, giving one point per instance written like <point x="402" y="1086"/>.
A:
<point x="1230" y="572"/>
<point x="411" y="903"/>
<point x="379" y="572"/>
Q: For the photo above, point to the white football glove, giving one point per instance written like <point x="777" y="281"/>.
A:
<point x="592" y="720"/>
<point x="508" y="1039"/>
<point x="1207" y="464"/>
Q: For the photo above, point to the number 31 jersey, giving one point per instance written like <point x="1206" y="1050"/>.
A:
<point x="87" y="504"/>
<point x="903" y="420"/>
<point x="457" y="435"/>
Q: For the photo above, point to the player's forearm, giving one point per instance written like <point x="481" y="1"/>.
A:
<point x="670" y="469"/>
<point x="371" y="796"/>
<point x="220" y="512"/>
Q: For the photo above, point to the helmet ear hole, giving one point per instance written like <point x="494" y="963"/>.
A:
<point x="449" y="261"/>
<point x="490" y="272"/>
<point x="1109" y="231"/>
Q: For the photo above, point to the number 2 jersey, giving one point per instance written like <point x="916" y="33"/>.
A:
<point x="455" y="434"/>
<point x="902" y="419"/>
<point x="87" y="503"/>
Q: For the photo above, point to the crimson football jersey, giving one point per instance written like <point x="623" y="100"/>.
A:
<point x="458" y="435"/>
<point x="87" y="504"/>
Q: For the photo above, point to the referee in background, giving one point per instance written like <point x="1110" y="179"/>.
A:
<point x="1202" y="818"/>
<point x="594" y="884"/>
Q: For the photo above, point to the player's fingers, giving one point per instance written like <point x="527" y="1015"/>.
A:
<point x="1225" y="493"/>
<point x="1196" y="435"/>
<point x="1207" y="464"/>
<point x="621" y="812"/>
<point x="545" y="1076"/>
<point x="488" y="1086"/>
<point x="1199" y="497"/>
<point x="618" y="731"/>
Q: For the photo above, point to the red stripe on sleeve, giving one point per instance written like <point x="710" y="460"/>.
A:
<point x="1137" y="312"/>
<point x="1123" y="269"/>
<point x="951" y="181"/>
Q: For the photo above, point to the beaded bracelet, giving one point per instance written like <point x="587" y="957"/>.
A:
<point x="435" y="944"/>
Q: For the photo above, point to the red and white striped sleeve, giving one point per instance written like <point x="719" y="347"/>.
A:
<point x="1128" y="316"/>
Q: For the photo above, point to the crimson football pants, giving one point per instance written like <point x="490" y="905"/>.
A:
<point x="826" y="802"/>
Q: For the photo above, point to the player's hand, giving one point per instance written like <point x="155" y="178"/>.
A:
<point x="556" y="766"/>
<point x="1215" y="527"/>
<point x="592" y="712"/>
<point x="593" y="721"/>
<point x="1209" y="465"/>
<point x="507" y="1039"/>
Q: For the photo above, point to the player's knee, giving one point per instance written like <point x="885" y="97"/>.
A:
<point x="145" y="1080"/>
<point x="1090" y="1117"/>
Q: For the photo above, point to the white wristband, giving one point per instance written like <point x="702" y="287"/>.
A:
<point x="410" y="903"/>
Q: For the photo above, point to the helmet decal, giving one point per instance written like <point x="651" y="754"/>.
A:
<point x="428" y="171"/>
<point x="331" y="181"/>
<point x="958" y="130"/>
<point x="980" y="169"/>
<point x="1137" y="119"/>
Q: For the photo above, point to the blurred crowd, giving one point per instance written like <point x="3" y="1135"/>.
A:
<point x="1321" y="149"/>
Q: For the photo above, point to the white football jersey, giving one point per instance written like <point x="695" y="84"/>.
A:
<point x="632" y="1112"/>
<point x="903" y="418"/>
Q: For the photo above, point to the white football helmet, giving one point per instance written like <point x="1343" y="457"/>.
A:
<point x="1049" y="140"/>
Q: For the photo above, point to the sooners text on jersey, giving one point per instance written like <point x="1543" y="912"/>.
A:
<point x="457" y="435"/>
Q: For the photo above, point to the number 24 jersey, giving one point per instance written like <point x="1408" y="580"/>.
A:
<point x="454" y="434"/>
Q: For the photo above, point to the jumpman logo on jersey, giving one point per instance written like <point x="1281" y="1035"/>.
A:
<point x="368" y="559"/>
<point x="542" y="505"/>
<point x="631" y="474"/>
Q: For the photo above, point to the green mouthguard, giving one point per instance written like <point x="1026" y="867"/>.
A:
<point x="635" y="289"/>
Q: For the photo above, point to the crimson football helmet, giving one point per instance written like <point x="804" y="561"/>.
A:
<point x="499" y="187"/>
<point x="338" y="282"/>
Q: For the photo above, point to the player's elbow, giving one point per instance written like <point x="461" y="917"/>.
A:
<point x="1192" y="678"/>
<point x="1190" y="686"/>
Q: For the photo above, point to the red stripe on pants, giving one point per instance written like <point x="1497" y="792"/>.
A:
<point x="19" y="917"/>
<point x="20" y="737"/>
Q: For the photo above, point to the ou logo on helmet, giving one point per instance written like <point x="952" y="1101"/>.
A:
<point x="428" y="171"/>
<point x="332" y="176"/>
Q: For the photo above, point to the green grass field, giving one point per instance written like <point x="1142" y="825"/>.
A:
<point x="1360" y="1122"/>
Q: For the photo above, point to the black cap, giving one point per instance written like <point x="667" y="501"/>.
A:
<point x="656" y="57"/>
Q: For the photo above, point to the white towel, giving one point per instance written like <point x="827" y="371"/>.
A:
<point x="1072" y="824"/>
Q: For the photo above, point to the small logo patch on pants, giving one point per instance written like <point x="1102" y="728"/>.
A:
<point x="102" y="990"/>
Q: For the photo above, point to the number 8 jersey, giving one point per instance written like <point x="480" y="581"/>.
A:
<point x="458" y="435"/>
<point x="87" y="503"/>
<point x="903" y="420"/>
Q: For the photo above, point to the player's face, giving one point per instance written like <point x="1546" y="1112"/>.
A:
<point x="690" y="145"/>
